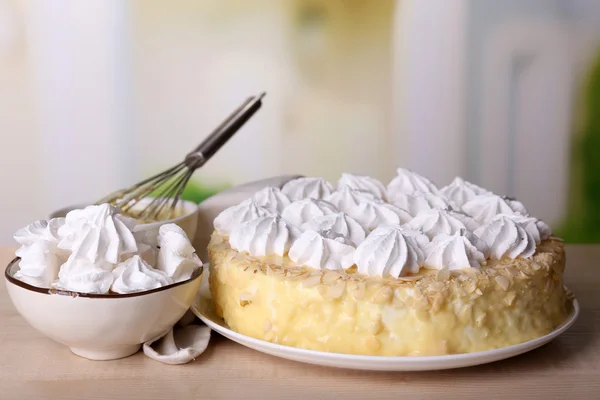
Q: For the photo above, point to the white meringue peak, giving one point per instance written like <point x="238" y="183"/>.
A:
<point x="271" y="198"/>
<point x="321" y="252"/>
<point x="301" y="211"/>
<point x="339" y="224"/>
<point x="40" y="230"/>
<point x="177" y="257"/>
<point x="98" y="234"/>
<point x="389" y="251"/>
<point x="263" y="236"/>
<point x="506" y="238"/>
<point x="419" y="201"/>
<point x="407" y="181"/>
<point x="371" y="214"/>
<point x="232" y="216"/>
<point x="538" y="229"/>
<point x="302" y="188"/>
<point x="349" y="200"/>
<point x="84" y="276"/>
<point x="368" y="210"/>
<point x="454" y="252"/>
<point x="436" y="222"/>
<point x="485" y="207"/>
<point x="362" y="183"/>
<point x="135" y="275"/>
<point x="461" y="191"/>
<point x="39" y="264"/>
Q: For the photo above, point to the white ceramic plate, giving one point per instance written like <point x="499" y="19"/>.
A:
<point x="203" y="308"/>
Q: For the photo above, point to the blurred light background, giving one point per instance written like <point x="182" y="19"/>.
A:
<point x="96" y="94"/>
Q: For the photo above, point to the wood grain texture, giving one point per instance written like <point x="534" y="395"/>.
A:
<point x="33" y="367"/>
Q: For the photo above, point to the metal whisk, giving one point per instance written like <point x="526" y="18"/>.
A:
<point x="169" y="185"/>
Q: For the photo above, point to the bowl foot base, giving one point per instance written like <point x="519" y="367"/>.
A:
<point x="106" y="354"/>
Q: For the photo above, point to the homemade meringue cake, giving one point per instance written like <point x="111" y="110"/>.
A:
<point x="403" y="270"/>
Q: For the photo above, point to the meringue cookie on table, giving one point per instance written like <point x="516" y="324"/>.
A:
<point x="232" y="216"/>
<point x="98" y="234"/>
<point x="362" y="183"/>
<point x="302" y="188"/>
<point x="389" y="251"/>
<point x="301" y="211"/>
<point x="135" y="275"/>
<point x="315" y="250"/>
<point x="177" y="257"/>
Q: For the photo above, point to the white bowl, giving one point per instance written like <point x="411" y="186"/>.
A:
<point x="102" y="326"/>
<point x="188" y="221"/>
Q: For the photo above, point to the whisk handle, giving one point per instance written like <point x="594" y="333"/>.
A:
<point x="225" y="131"/>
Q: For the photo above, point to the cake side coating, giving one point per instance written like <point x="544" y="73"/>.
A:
<point x="506" y="302"/>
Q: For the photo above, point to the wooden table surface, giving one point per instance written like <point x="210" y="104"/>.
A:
<point x="32" y="366"/>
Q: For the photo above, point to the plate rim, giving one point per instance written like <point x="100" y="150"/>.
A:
<point x="513" y="350"/>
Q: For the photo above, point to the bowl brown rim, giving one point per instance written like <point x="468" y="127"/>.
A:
<point x="10" y="278"/>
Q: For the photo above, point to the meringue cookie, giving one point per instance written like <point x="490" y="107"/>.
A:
<point x="485" y="207"/>
<point x="461" y="191"/>
<point x="419" y="237"/>
<point x="416" y="202"/>
<point x="137" y="276"/>
<point x="470" y="223"/>
<point x="301" y="211"/>
<point x="39" y="264"/>
<point x="98" y="234"/>
<point x="339" y="224"/>
<point x="177" y="257"/>
<point x="436" y="222"/>
<point x="453" y="252"/>
<point x="317" y="251"/>
<point x="371" y="214"/>
<point x="367" y="209"/>
<point x="506" y="238"/>
<point x="84" y="276"/>
<point x="409" y="182"/>
<point x="538" y="229"/>
<point x="271" y="198"/>
<point x="388" y="251"/>
<point x="362" y="183"/>
<point x="40" y="230"/>
<point x="302" y="188"/>
<point x="349" y="200"/>
<point x="232" y="216"/>
<point x="263" y="236"/>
